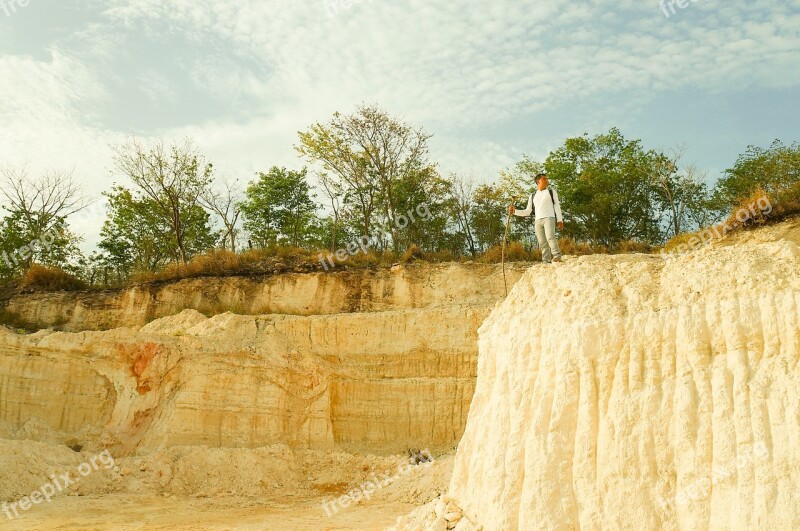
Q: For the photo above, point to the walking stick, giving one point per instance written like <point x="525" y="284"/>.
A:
<point x="503" y="251"/>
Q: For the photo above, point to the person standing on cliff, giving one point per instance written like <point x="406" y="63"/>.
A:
<point x="545" y="205"/>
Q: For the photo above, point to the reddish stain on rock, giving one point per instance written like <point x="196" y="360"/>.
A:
<point x="142" y="417"/>
<point x="141" y="358"/>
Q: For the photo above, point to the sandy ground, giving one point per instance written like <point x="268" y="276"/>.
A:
<point x="212" y="488"/>
<point x="132" y="512"/>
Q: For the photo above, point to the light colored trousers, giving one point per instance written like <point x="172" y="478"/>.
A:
<point x="546" y="234"/>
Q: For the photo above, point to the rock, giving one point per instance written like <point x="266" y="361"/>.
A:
<point x="125" y="471"/>
<point x="440" y="508"/>
<point x="452" y="516"/>
<point x="652" y="374"/>
<point x="119" y="380"/>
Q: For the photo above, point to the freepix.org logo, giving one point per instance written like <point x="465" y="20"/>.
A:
<point x="16" y="258"/>
<point x="58" y="483"/>
<point x="10" y="7"/>
<point x="671" y="4"/>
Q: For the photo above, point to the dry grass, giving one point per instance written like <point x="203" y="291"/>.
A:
<point x="515" y="252"/>
<point x="681" y="239"/>
<point x="443" y="256"/>
<point x="754" y="211"/>
<point x="367" y="260"/>
<point x="269" y="261"/>
<point x="43" y="278"/>
<point x="221" y="263"/>
<point x="751" y="211"/>
<point x="573" y="247"/>
<point x="277" y="260"/>
<point x="633" y="246"/>
<point x="413" y="252"/>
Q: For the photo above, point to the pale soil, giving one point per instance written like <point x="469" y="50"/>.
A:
<point x="129" y="512"/>
<point x="211" y="488"/>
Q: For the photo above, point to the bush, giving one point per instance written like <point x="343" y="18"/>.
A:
<point x="515" y="252"/>
<point x="750" y="211"/>
<point x="633" y="246"/>
<point x="754" y="211"/>
<point x="411" y="253"/>
<point x="681" y="239"/>
<point x="445" y="255"/>
<point x="371" y="258"/>
<point x="573" y="247"/>
<point x="214" y="263"/>
<point x="220" y="263"/>
<point x="787" y="204"/>
<point x="43" y="278"/>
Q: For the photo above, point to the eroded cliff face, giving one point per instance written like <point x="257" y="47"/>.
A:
<point x="400" y="287"/>
<point x="629" y="392"/>
<point x="401" y="374"/>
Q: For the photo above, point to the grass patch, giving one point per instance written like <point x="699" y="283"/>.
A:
<point x="757" y="210"/>
<point x="515" y="252"/>
<point x="413" y="252"/>
<point x="278" y="260"/>
<point x="43" y="278"/>
<point x="633" y="246"/>
<point x="574" y="247"/>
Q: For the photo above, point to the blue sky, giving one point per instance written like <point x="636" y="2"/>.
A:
<point x="491" y="80"/>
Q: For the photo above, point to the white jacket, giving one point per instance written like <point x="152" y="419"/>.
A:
<point x="543" y="206"/>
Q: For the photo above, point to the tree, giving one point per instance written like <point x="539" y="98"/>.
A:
<point x="225" y="203"/>
<point x="605" y="183"/>
<point x="682" y="192"/>
<point x="521" y="179"/>
<point x="279" y="208"/>
<point x="347" y="167"/>
<point x="774" y="169"/>
<point x="489" y="208"/>
<point x="333" y="191"/>
<point x="368" y="153"/>
<point x="423" y="207"/>
<point x="36" y="228"/>
<point x="461" y="192"/>
<point x="172" y="178"/>
<point x="135" y="237"/>
<point x="20" y="248"/>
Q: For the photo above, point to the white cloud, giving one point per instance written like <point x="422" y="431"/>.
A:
<point x="464" y="70"/>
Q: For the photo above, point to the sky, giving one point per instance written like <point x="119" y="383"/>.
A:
<point x="491" y="80"/>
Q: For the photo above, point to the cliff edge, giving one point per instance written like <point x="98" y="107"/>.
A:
<point x="633" y="392"/>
